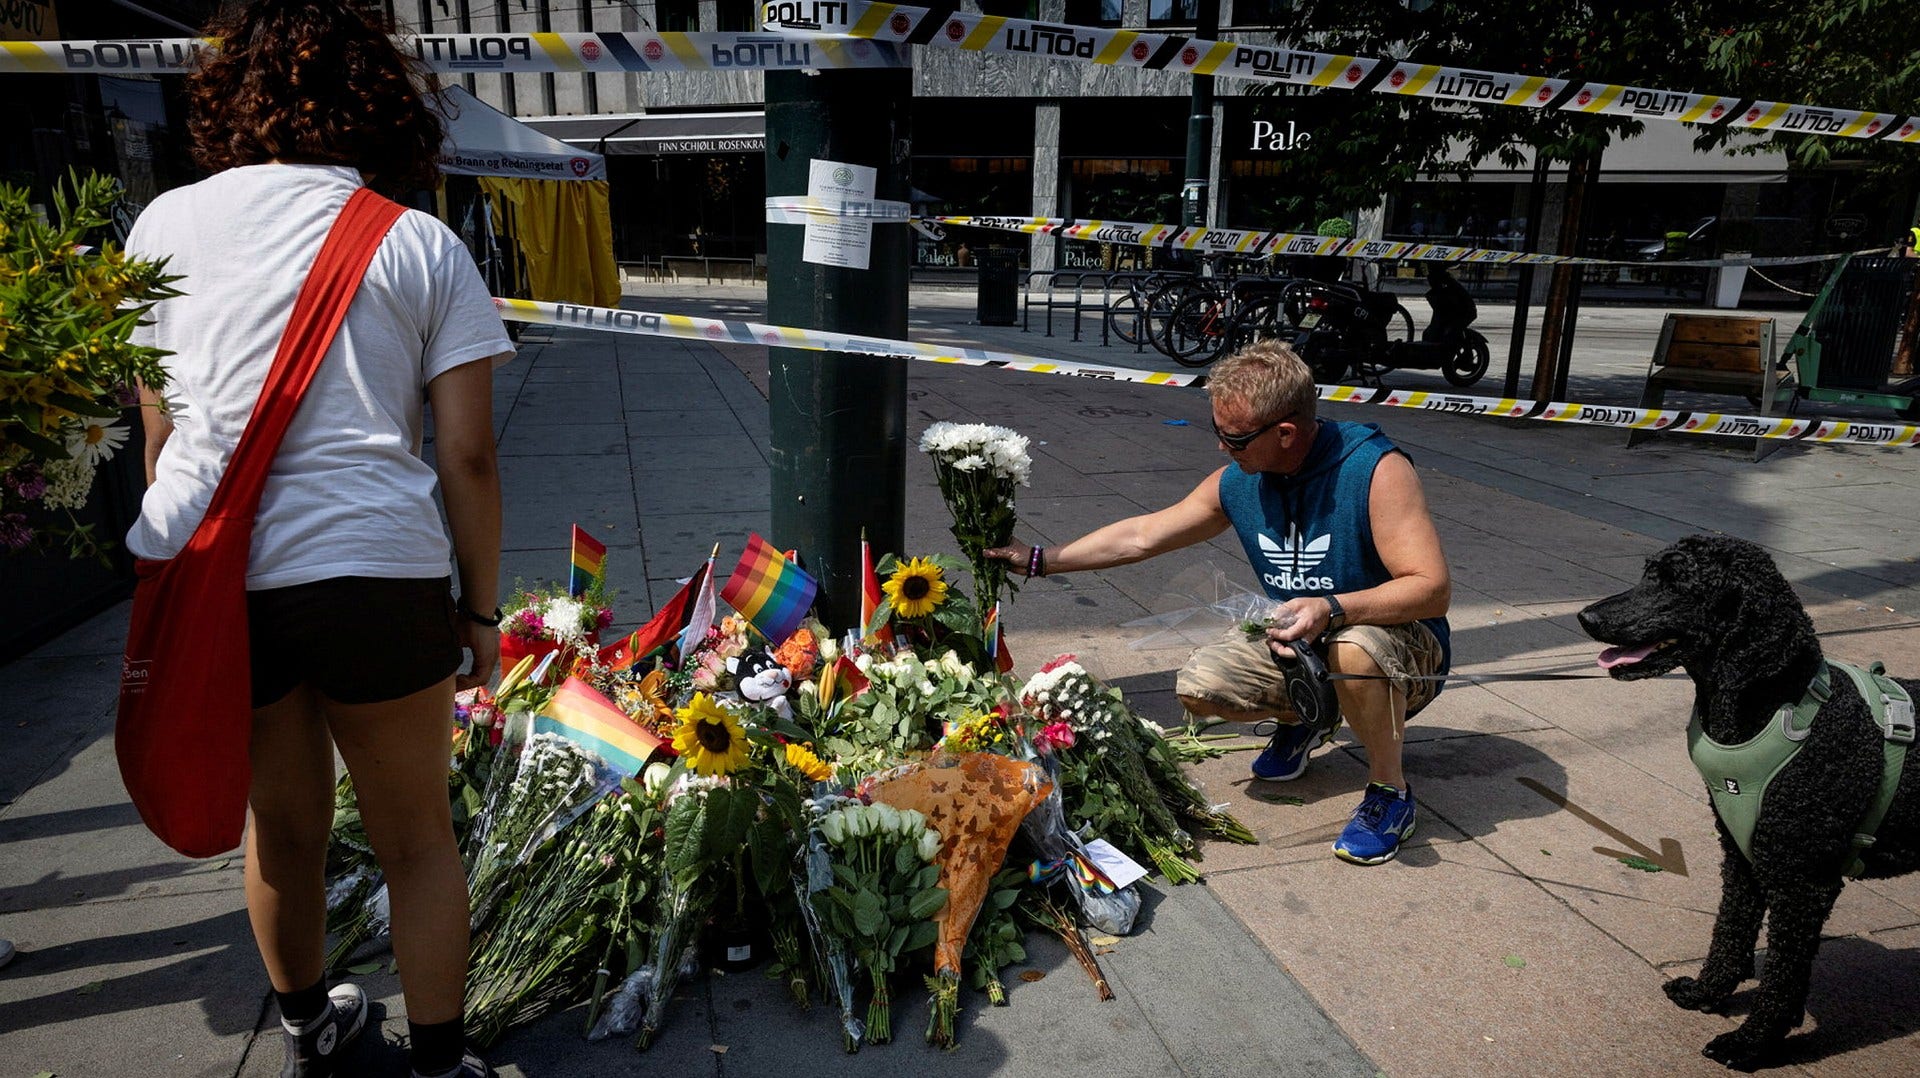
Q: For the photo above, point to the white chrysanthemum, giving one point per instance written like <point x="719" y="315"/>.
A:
<point x="565" y="619"/>
<point x="96" y="439"/>
<point x="972" y="462"/>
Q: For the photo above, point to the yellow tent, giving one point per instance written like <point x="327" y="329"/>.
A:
<point x="553" y="195"/>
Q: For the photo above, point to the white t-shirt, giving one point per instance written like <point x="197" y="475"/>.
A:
<point x="348" y="494"/>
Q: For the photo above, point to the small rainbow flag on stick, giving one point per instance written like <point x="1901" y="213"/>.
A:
<point x="589" y="563"/>
<point x="590" y="720"/>
<point x="768" y="590"/>
<point x="871" y="596"/>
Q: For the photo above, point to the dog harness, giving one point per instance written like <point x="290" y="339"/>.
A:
<point x="1738" y="775"/>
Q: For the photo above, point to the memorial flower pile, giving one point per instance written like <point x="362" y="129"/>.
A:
<point x="861" y="814"/>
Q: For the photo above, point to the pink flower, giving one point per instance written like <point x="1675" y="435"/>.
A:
<point x="1056" y="735"/>
<point x="27" y="481"/>
<point x="604" y="618"/>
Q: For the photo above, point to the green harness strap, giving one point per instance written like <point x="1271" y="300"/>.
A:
<point x="1737" y="776"/>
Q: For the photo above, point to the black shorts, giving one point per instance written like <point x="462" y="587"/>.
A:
<point x="355" y="639"/>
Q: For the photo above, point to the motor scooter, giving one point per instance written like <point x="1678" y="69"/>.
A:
<point x="1340" y="327"/>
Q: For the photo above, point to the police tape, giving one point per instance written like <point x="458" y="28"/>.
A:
<point x="853" y="34"/>
<point x="495" y="53"/>
<point x="1234" y="241"/>
<point x="946" y="27"/>
<point x="786" y="210"/>
<point x="1255" y="244"/>
<point x="731" y="331"/>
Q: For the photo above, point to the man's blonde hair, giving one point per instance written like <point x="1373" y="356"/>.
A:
<point x="1268" y="379"/>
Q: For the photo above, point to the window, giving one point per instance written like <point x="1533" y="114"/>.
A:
<point x="1093" y="12"/>
<point x="1258" y="13"/>
<point x="1172" y="12"/>
<point x="670" y="16"/>
<point x="736" y="15"/>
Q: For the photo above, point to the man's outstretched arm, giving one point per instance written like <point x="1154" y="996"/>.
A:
<point x="1193" y="519"/>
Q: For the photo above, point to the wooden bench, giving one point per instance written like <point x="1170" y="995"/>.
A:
<point x="1717" y="354"/>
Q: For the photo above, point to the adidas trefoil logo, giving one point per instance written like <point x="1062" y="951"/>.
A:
<point x="1294" y="557"/>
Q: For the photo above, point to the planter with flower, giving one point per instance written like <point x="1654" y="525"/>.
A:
<point x="68" y="366"/>
<point x="535" y="622"/>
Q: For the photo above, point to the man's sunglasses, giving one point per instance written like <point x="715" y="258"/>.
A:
<point x="1239" y="442"/>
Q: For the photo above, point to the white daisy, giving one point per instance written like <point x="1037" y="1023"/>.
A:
<point x="97" y="439"/>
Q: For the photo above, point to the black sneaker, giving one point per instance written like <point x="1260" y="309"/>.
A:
<point x="318" y="1047"/>
<point x="471" y="1066"/>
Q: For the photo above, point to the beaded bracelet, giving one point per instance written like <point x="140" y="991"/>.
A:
<point x="1035" y="562"/>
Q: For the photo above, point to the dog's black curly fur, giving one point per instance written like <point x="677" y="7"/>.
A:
<point x="1720" y="608"/>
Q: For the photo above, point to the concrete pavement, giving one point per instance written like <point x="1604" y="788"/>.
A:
<point x="1502" y="942"/>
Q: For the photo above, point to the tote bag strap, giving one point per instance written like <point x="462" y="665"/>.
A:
<point x="317" y="314"/>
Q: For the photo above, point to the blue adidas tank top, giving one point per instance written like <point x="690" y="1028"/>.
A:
<point x="1311" y="533"/>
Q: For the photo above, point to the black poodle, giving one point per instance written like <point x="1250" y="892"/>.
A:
<point x="1720" y="608"/>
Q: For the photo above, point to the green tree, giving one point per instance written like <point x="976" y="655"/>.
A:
<point x="1852" y="54"/>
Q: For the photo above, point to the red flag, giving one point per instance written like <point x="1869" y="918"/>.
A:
<point x="665" y="625"/>
<point x="870" y="596"/>
<point x="849" y="675"/>
<point x="1002" y="658"/>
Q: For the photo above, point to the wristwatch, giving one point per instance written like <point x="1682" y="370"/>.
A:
<point x="1336" y="614"/>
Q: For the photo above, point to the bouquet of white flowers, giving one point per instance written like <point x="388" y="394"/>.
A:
<point x="978" y="467"/>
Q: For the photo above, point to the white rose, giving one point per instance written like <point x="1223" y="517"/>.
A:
<point x="929" y="847"/>
<point x="888" y="818"/>
<point x="834" y="827"/>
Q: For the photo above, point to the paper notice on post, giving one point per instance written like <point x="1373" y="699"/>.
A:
<point x="1116" y="866"/>
<point x="839" y="241"/>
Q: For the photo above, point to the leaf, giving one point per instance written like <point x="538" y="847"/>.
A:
<point x="89" y="988"/>
<point x="920" y="935"/>
<point x="1003" y="899"/>
<point x="1032" y="975"/>
<point x="364" y="968"/>
<point x="905" y="859"/>
<point x="927" y="903"/>
<point x="771" y="855"/>
<point x="686" y="828"/>
<point x="1515" y="962"/>
<point x="46" y="1074"/>
<point x="1103" y="941"/>
<point x="897" y="938"/>
<point x="1641" y="863"/>
<point x="868" y="915"/>
<point x="1280" y="799"/>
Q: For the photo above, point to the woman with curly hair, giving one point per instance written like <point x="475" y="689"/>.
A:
<point x="355" y="636"/>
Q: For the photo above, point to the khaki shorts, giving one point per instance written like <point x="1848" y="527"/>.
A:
<point x="1239" y="673"/>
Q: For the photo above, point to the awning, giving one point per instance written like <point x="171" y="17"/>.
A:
<point x="483" y="141"/>
<point x="659" y="133"/>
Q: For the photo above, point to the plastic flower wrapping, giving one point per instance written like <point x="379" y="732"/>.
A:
<point x="887" y="828"/>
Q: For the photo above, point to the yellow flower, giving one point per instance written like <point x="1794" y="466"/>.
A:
<point x="710" y="739"/>
<point x="916" y="588"/>
<point x="803" y="760"/>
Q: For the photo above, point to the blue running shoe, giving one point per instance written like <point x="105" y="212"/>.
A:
<point x="1285" y="757"/>
<point x="1383" y="821"/>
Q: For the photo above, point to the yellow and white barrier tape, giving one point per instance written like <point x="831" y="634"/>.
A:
<point x="498" y="53"/>
<point x="788" y="210"/>
<point x="731" y="331"/>
<point x="852" y="33"/>
<point x="1233" y="241"/>
<point x="1251" y="243"/>
<point x="947" y="27"/>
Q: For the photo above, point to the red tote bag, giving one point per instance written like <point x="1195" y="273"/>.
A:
<point x="186" y="712"/>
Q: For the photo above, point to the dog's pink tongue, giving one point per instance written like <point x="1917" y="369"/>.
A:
<point x="1613" y="657"/>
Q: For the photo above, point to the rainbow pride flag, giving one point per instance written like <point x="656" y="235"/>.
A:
<point x="871" y="596"/>
<point x="769" y="591"/>
<point x="589" y="563"/>
<point x="580" y="714"/>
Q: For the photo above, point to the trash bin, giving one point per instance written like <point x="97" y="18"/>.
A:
<point x="998" y="301"/>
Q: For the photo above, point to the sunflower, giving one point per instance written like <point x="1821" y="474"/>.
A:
<point x="710" y="739"/>
<point x="916" y="588"/>
<point x="803" y="760"/>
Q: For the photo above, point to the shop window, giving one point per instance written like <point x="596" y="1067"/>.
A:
<point x="736" y="15"/>
<point x="1172" y="12"/>
<point x="1011" y="9"/>
<point x="1093" y="12"/>
<point x="670" y="16"/>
